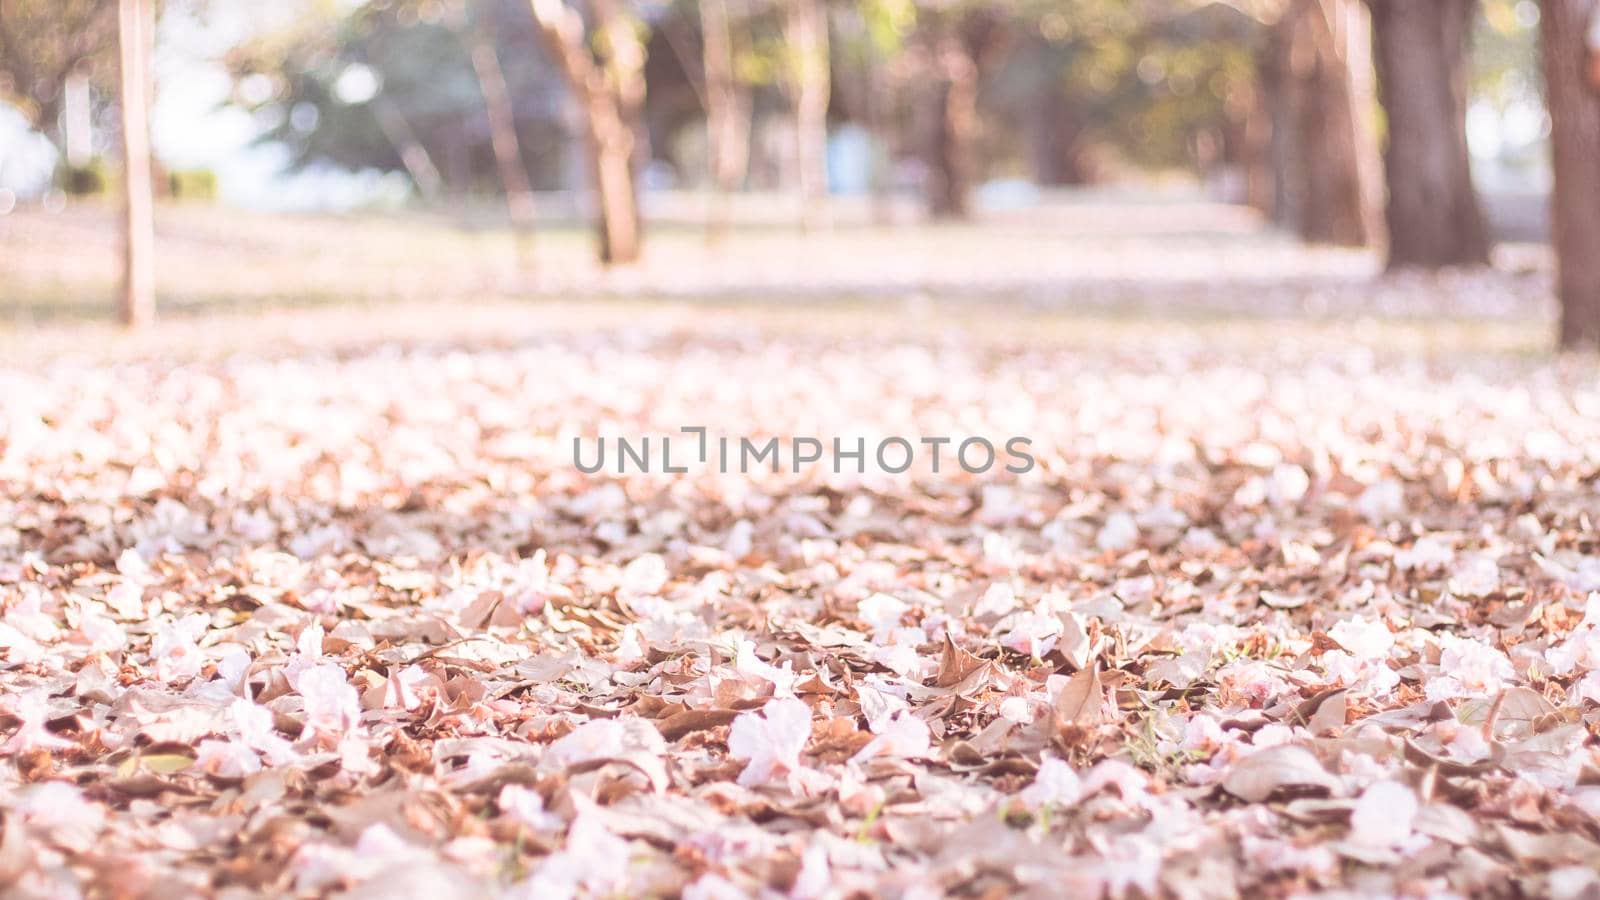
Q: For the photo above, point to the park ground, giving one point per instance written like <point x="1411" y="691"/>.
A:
<point x="303" y="593"/>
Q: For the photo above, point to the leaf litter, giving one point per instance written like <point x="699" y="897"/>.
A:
<point x="354" y="623"/>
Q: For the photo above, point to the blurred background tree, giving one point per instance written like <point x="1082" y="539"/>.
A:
<point x="600" y="52"/>
<point x="1363" y="123"/>
<point x="1271" y="102"/>
<point x="458" y="96"/>
<point x="43" y="43"/>
<point x="58" y="68"/>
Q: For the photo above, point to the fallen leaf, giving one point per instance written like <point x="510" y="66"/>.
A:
<point x="1285" y="768"/>
<point x="1081" y="700"/>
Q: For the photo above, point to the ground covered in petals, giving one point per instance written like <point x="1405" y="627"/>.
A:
<point x="1293" y="612"/>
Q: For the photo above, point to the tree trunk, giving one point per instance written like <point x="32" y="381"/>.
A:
<point x="1337" y="177"/>
<point x="808" y="42"/>
<point x="1260" y="187"/>
<point x="608" y="85"/>
<point x="413" y="154"/>
<point x="1058" y="157"/>
<point x="1279" y="94"/>
<point x="727" y="114"/>
<point x="955" y="129"/>
<point x="1594" y="52"/>
<point x="1575" y="144"/>
<point x="962" y="43"/>
<point x="610" y="143"/>
<point x="878" y="102"/>
<point x="457" y="172"/>
<point x="135" y="32"/>
<point x="868" y="99"/>
<point x="502" y="118"/>
<point x="1434" y="219"/>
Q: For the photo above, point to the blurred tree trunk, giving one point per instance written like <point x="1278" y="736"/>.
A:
<point x="413" y="154"/>
<point x="960" y="44"/>
<point x="457" y="172"/>
<point x="812" y="86"/>
<point x="727" y="114"/>
<point x="950" y="185"/>
<point x="878" y="110"/>
<point x="1328" y="146"/>
<point x="1256" y="149"/>
<point x="1575" y="143"/>
<point x="867" y="97"/>
<point x="1276" y="102"/>
<point x="955" y="127"/>
<point x="1594" y="51"/>
<point x="608" y="84"/>
<point x="1434" y="218"/>
<point x="502" y="116"/>
<point x="135" y="33"/>
<point x="1058" y="155"/>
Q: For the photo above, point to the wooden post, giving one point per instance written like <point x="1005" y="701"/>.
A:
<point x="135" y="32"/>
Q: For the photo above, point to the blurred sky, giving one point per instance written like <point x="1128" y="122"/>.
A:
<point x="190" y="127"/>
